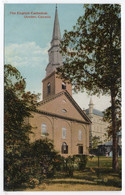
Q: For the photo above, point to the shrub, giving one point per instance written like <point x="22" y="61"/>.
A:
<point x="80" y="162"/>
<point x="44" y="155"/>
<point x="76" y="162"/>
<point x="59" y="163"/>
<point x="33" y="182"/>
<point x="69" y="165"/>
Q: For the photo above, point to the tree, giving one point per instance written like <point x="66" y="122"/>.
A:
<point x="17" y="106"/>
<point x="92" y="57"/>
<point x="108" y="118"/>
<point x="95" y="142"/>
<point x="44" y="156"/>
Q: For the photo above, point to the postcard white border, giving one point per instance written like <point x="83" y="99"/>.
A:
<point x="122" y="2"/>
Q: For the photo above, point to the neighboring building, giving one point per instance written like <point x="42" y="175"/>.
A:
<point x="59" y="117"/>
<point x="106" y="149"/>
<point x="98" y="127"/>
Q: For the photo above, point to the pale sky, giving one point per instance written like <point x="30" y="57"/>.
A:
<point x="27" y="41"/>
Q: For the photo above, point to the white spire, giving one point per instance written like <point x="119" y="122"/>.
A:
<point x="55" y="57"/>
<point x="91" y="102"/>
<point x="56" y="29"/>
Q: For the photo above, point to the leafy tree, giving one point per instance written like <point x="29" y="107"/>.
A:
<point x="92" y="57"/>
<point x="17" y="106"/>
<point x="95" y="142"/>
<point x="108" y="118"/>
<point x="44" y="155"/>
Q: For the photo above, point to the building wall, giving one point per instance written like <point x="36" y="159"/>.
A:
<point x="57" y="105"/>
<point x="50" y="79"/>
<point x="56" y="85"/>
<point x="99" y="127"/>
<point x="54" y="130"/>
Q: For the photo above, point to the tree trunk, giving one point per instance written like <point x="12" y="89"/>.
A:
<point x="115" y="164"/>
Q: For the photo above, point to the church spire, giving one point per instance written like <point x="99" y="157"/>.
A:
<point x="55" y="57"/>
<point x="56" y="29"/>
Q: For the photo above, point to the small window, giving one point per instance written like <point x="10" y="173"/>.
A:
<point x="63" y="85"/>
<point x="64" y="148"/>
<point x="43" y="130"/>
<point x="48" y="88"/>
<point x="64" y="110"/>
<point x="80" y="135"/>
<point x="64" y="101"/>
<point x="63" y="133"/>
<point x="80" y="149"/>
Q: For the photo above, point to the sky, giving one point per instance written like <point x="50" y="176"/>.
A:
<point x="27" y="40"/>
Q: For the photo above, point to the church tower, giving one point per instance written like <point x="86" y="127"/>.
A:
<point x="58" y="116"/>
<point x="51" y="83"/>
<point x="91" y="108"/>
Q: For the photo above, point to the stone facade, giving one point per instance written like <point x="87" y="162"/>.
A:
<point x="58" y="116"/>
<point x="98" y="127"/>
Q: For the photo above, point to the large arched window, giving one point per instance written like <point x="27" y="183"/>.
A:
<point x="43" y="129"/>
<point x="64" y="148"/>
<point x="80" y="135"/>
<point x="48" y="88"/>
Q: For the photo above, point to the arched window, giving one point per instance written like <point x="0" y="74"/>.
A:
<point x="64" y="101"/>
<point x="64" y="110"/>
<point x="80" y="135"/>
<point x="63" y="133"/>
<point x="63" y="85"/>
<point x="43" y="129"/>
<point x="48" y="88"/>
<point x="64" y="148"/>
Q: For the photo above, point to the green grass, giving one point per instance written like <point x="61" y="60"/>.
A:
<point x="104" y="162"/>
<point x="81" y="181"/>
<point x="91" y="179"/>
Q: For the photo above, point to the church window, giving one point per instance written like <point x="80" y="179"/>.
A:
<point x="43" y="129"/>
<point x="64" y="148"/>
<point x="80" y="135"/>
<point x="63" y="133"/>
<point x="48" y="88"/>
<point x="63" y="85"/>
<point x="80" y="149"/>
<point x="64" y="110"/>
<point x="64" y="101"/>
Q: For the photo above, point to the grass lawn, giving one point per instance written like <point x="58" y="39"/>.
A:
<point x="104" y="162"/>
<point x="86" y="180"/>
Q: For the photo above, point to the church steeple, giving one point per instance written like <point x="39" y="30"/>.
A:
<point x="55" y="57"/>
<point x="53" y="85"/>
<point x="56" y="29"/>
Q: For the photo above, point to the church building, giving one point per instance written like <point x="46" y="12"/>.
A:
<point x="58" y="117"/>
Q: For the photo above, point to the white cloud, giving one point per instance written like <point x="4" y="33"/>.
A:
<point x="31" y="56"/>
<point x="26" y="54"/>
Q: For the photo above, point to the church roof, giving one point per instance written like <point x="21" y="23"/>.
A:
<point x="82" y="113"/>
<point x="95" y="111"/>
